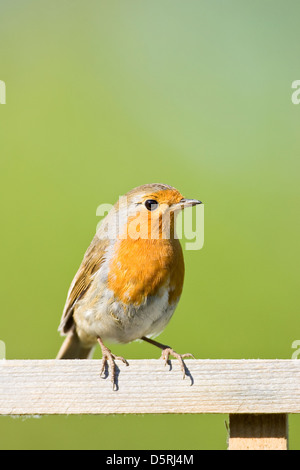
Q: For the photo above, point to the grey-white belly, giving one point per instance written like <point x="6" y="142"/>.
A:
<point x="114" y="321"/>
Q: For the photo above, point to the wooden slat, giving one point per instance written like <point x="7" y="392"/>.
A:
<point x="147" y="386"/>
<point x="258" y="432"/>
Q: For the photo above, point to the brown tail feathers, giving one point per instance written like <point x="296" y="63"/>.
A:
<point x="72" y="348"/>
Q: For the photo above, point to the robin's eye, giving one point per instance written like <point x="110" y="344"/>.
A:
<point x="151" y="204"/>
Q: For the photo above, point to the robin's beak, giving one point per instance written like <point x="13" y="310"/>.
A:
<point x="184" y="203"/>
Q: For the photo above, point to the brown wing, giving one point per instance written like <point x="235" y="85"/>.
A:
<point x="91" y="263"/>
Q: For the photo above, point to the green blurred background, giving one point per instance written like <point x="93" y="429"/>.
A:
<point x="103" y="96"/>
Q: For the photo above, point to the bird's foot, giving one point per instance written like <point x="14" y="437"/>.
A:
<point x="109" y="358"/>
<point x="170" y="352"/>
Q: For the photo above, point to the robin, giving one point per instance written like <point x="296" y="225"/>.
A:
<point x="130" y="280"/>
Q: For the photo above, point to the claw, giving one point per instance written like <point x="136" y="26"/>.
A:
<point x="170" y="352"/>
<point x="110" y="358"/>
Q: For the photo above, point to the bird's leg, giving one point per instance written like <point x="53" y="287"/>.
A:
<point x="109" y="357"/>
<point x="167" y="351"/>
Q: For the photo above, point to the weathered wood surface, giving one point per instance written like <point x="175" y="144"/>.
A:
<point x="147" y="386"/>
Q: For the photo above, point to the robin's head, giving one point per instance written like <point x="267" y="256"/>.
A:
<point x="149" y="211"/>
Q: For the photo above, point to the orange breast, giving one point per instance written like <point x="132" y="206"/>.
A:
<point x="144" y="267"/>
